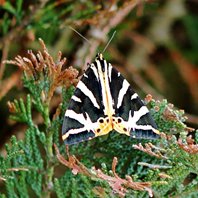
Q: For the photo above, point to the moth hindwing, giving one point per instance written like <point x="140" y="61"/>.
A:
<point x="104" y="101"/>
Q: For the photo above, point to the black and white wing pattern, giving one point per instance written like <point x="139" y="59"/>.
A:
<point x="104" y="101"/>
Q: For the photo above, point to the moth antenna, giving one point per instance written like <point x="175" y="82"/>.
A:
<point x="80" y="35"/>
<point x="109" y="42"/>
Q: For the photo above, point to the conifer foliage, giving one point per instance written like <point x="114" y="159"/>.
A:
<point x="31" y="166"/>
<point x="114" y="165"/>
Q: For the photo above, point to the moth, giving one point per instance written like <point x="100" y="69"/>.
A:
<point x="104" y="101"/>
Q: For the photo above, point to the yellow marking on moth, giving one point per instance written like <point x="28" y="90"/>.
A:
<point x="104" y="126"/>
<point x="107" y="124"/>
<point x="119" y="126"/>
<point x="65" y="136"/>
<point x="156" y="131"/>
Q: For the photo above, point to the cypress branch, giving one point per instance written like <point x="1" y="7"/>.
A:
<point x="30" y="167"/>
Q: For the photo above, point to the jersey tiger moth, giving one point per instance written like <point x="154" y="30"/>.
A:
<point x="104" y="101"/>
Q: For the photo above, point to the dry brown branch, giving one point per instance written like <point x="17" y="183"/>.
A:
<point x="193" y="119"/>
<point x="150" y="149"/>
<point x="157" y="32"/>
<point x="190" y="146"/>
<point x="137" y="78"/>
<point x="99" y="32"/>
<point x="2" y="178"/>
<point x="9" y="83"/>
<point x="188" y="71"/>
<point x="72" y="163"/>
<point x="37" y="66"/>
<point x="143" y="48"/>
<point x="169" y="114"/>
<point x="104" y="21"/>
<point x="117" y="184"/>
<point x="5" y="50"/>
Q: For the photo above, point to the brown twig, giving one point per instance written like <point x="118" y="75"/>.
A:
<point x="2" y="178"/>
<point x="117" y="184"/>
<point x="149" y="149"/>
<point x="37" y="66"/>
<point x="190" y="146"/>
<point x="72" y="163"/>
<point x="104" y="21"/>
<point x="9" y="83"/>
<point x="136" y="77"/>
<point x="193" y="119"/>
<point x="188" y="71"/>
<point x="5" y="50"/>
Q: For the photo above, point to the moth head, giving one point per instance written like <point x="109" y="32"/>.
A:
<point x="99" y="56"/>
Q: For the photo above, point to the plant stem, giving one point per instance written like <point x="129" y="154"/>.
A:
<point x="49" y="152"/>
